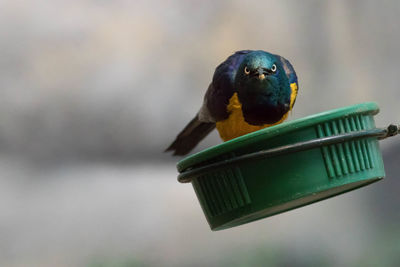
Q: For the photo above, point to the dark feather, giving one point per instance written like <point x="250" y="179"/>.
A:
<point x="289" y="70"/>
<point x="222" y="87"/>
<point x="290" y="73"/>
<point x="190" y="136"/>
<point x="214" y="106"/>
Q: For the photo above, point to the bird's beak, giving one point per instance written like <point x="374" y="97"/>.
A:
<point x="261" y="74"/>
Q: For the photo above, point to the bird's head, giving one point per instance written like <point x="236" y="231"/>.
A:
<point x="263" y="88"/>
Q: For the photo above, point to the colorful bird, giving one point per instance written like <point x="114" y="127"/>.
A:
<point x="250" y="90"/>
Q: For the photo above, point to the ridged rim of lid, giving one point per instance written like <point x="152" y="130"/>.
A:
<point x="285" y="127"/>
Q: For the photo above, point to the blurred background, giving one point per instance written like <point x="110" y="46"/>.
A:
<point x="92" y="92"/>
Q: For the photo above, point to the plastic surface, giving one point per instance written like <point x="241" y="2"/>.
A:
<point x="259" y="188"/>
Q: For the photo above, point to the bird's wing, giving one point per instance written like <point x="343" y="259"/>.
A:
<point x="221" y="89"/>
<point x="292" y="77"/>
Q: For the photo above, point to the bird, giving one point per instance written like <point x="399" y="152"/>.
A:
<point x="249" y="91"/>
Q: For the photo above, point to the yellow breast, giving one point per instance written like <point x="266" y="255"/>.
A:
<point x="235" y="125"/>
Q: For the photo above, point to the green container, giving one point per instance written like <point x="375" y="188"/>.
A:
<point x="286" y="166"/>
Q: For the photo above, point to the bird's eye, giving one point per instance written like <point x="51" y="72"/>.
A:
<point x="273" y="68"/>
<point x="246" y="70"/>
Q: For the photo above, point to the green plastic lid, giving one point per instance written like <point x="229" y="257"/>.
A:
<point x="280" y="129"/>
<point x="286" y="166"/>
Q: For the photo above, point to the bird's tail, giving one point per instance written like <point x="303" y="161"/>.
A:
<point x="190" y="136"/>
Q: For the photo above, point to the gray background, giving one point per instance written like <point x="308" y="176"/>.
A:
<point x="92" y="92"/>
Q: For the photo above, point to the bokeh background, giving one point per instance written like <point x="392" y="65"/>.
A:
<point x="92" y="92"/>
